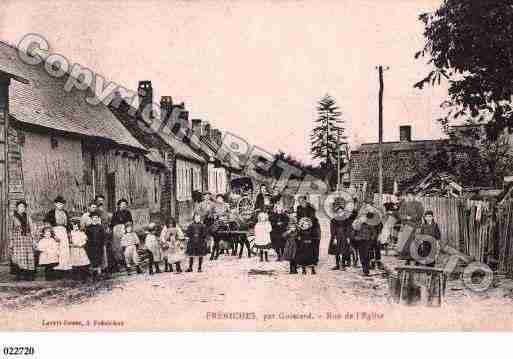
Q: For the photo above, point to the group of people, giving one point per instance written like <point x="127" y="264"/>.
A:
<point x="361" y="234"/>
<point x="99" y="243"/>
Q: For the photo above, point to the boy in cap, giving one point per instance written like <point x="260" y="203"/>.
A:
<point x="95" y="244"/>
<point x="365" y="232"/>
<point x="426" y="250"/>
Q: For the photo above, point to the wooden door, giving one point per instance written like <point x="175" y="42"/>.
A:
<point x="111" y="191"/>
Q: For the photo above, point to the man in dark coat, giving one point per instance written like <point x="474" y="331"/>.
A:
<point x="341" y="233"/>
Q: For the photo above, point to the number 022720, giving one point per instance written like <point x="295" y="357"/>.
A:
<point x="18" y="350"/>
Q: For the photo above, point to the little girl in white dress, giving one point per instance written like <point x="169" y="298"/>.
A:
<point x="263" y="235"/>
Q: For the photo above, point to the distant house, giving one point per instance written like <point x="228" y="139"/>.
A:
<point x="220" y="171"/>
<point x="404" y="162"/>
<point x="59" y="144"/>
<point x="184" y="167"/>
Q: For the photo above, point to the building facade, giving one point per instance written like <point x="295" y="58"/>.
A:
<point x="59" y="144"/>
<point x="184" y="168"/>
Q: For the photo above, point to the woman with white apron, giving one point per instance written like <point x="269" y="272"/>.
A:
<point x="59" y="219"/>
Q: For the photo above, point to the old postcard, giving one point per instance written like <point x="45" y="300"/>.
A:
<point x="256" y="165"/>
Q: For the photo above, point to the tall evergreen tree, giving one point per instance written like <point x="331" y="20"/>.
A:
<point x="327" y="133"/>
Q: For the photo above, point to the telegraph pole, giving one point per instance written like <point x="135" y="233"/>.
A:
<point x="380" y="119"/>
<point x="338" y="161"/>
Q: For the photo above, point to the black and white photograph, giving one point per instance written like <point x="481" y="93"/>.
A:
<point x="256" y="166"/>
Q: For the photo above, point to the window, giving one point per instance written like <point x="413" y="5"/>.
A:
<point x="220" y="180"/>
<point x="54" y="143"/>
<point x="188" y="178"/>
<point x="156" y="187"/>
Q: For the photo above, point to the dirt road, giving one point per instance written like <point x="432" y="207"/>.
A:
<point x="227" y="296"/>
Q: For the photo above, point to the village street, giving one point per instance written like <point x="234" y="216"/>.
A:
<point x="190" y="301"/>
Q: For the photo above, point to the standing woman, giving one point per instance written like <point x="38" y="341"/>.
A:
<point x="280" y="223"/>
<point x="59" y="219"/>
<point x="21" y="243"/>
<point x="119" y="219"/>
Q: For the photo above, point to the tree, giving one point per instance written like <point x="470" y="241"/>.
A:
<point x="492" y="158"/>
<point x="470" y="44"/>
<point x="327" y="133"/>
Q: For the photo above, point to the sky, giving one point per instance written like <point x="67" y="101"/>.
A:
<point x="252" y="67"/>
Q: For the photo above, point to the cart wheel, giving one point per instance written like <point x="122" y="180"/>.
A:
<point x="245" y="207"/>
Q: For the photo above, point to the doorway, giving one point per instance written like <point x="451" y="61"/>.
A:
<point x="111" y="191"/>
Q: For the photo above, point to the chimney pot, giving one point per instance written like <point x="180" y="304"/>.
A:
<point x="405" y="133"/>
<point x="197" y="129"/>
<point x="166" y="107"/>
<point x="145" y="92"/>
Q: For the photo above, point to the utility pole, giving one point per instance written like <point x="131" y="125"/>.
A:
<point x="338" y="161"/>
<point x="380" y="119"/>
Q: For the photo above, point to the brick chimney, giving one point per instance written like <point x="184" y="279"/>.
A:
<point x="197" y="129"/>
<point x="145" y="92"/>
<point x="207" y="130"/>
<point x="405" y="133"/>
<point x="166" y="107"/>
<point x="217" y="136"/>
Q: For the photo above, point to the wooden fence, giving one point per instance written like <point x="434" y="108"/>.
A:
<point x="503" y="249"/>
<point x="477" y="229"/>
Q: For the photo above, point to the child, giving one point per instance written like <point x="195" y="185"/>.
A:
<point x="279" y="223"/>
<point x="289" y="251"/>
<point x="152" y="245"/>
<point x="49" y="256"/>
<point x="263" y="235"/>
<point x="95" y="244"/>
<point x="308" y="240"/>
<point x="197" y="243"/>
<point x="341" y="233"/>
<point x="171" y="238"/>
<point x="79" y="260"/>
<point x="426" y="251"/>
<point x="365" y="233"/>
<point x="129" y="243"/>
